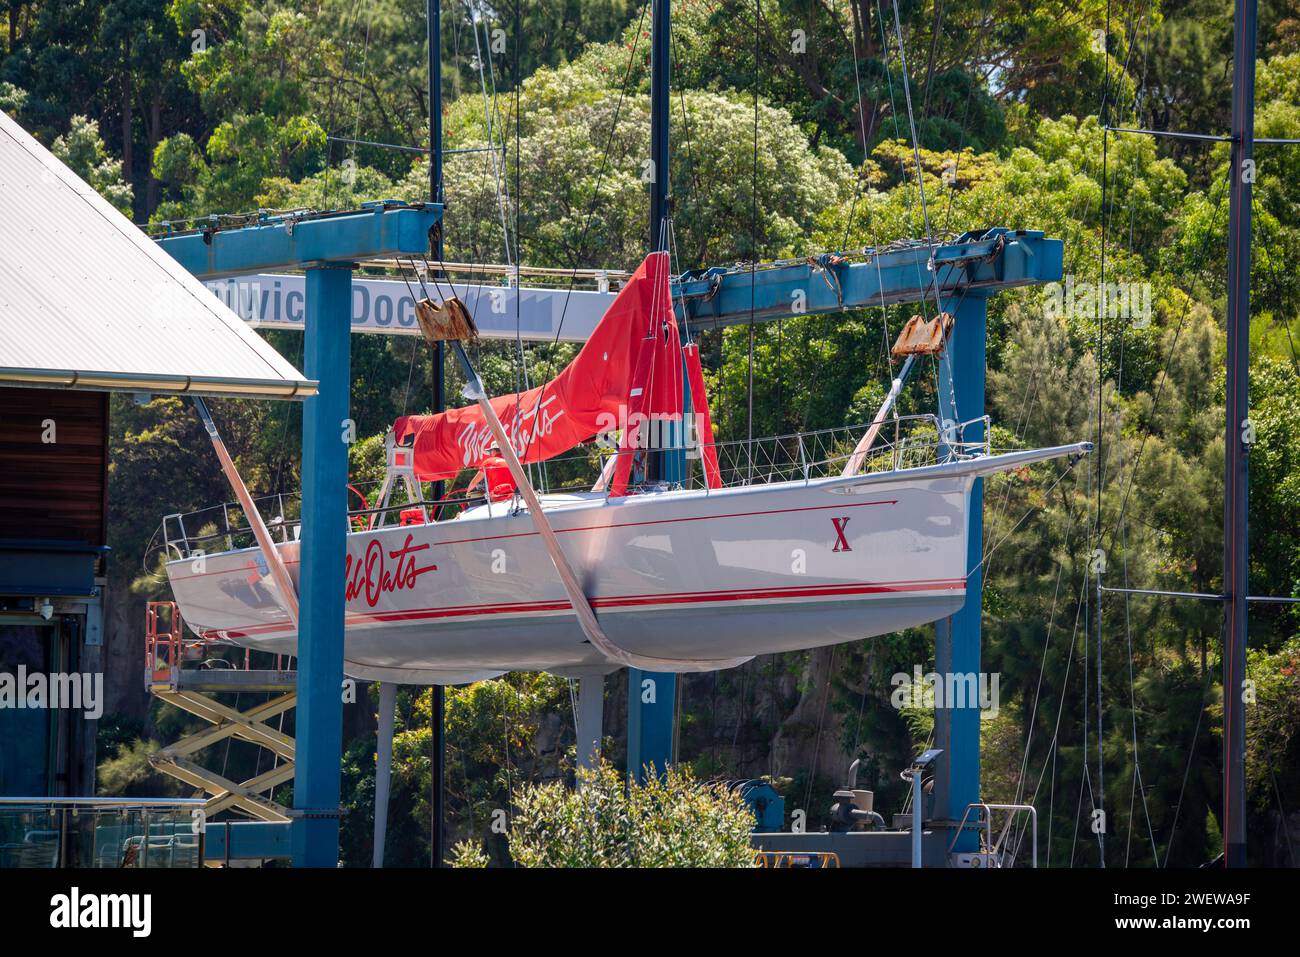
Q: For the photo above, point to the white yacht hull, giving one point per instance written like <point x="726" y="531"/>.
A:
<point x="684" y="574"/>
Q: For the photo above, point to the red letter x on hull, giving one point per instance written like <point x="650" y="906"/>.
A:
<point x="841" y="543"/>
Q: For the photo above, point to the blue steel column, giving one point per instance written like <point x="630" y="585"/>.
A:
<point x="957" y="644"/>
<point x="650" y="723"/>
<point x="323" y="550"/>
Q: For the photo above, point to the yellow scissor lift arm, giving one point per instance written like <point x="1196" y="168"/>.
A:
<point x="194" y="690"/>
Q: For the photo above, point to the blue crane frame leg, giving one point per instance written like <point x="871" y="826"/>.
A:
<point x="325" y="435"/>
<point x="957" y="639"/>
<point x="651" y="701"/>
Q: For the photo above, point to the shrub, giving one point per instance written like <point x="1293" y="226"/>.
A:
<point x="608" y="821"/>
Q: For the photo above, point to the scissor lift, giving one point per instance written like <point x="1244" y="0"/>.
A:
<point x="194" y="690"/>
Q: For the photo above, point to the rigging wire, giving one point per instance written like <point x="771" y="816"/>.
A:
<point x="934" y="46"/>
<point x="1054" y="746"/>
<point x="1187" y="770"/>
<point x="1074" y="460"/>
<point x="889" y="83"/>
<point x="1163" y="379"/>
<point x="361" y="88"/>
<point x="1100" y="799"/>
<point x="334" y="87"/>
<point x="862" y="124"/>
<point x="580" y="248"/>
<point x="1086" y="675"/>
<point x="1107" y="207"/>
<point x="692" y="172"/>
<point x="1038" y="687"/>
<point x="1081" y="206"/>
<point x="740" y="714"/>
<point x="1130" y="31"/>
<point x="1138" y="786"/>
<point x="920" y="281"/>
<point x="1023" y="415"/>
<point x="933" y="284"/>
<point x="488" y="117"/>
<point x="1286" y="323"/>
<point x="961" y="140"/>
<point x="911" y="120"/>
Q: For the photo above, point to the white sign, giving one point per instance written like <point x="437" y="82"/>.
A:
<point x="270" y="301"/>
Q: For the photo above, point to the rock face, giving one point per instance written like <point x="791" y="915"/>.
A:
<point x="810" y="737"/>
<point x="780" y="716"/>
<point x="124" y="654"/>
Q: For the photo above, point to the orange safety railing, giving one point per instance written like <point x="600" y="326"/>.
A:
<point x="163" y="639"/>
<point x="166" y="648"/>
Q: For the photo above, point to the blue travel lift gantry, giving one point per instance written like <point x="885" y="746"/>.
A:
<point x="960" y="275"/>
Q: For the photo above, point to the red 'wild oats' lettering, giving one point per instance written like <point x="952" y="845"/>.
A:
<point x="373" y="576"/>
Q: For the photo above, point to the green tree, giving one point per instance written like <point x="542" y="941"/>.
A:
<point x="83" y="151"/>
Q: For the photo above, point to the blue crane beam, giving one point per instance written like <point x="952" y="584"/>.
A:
<point x="288" y="241"/>
<point x="326" y="246"/>
<point x="986" y="261"/>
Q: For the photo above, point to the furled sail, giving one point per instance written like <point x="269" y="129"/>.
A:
<point x="630" y="367"/>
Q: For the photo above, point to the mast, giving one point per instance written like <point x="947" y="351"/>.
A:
<point x="1236" y="530"/>
<point x="659" y="102"/>
<point x="660" y="463"/>
<point x="433" y="17"/>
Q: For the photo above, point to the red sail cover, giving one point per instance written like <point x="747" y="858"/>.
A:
<point x="655" y="398"/>
<point x="590" y="395"/>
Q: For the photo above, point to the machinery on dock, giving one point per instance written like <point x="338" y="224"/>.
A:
<point x="858" y="836"/>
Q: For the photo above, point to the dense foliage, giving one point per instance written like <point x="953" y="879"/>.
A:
<point x="790" y="135"/>
<point x="610" y="821"/>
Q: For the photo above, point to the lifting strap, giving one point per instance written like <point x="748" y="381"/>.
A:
<point x="287" y="593"/>
<point x="577" y="597"/>
<point x="919" y="337"/>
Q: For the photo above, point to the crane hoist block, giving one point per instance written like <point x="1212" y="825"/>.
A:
<point x="923" y="337"/>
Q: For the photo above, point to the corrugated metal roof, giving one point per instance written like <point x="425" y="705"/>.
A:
<point x="88" y="301"/>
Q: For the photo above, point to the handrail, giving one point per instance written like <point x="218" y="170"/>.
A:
<point x="107" y="802"/>
<point x="994" y="849"/>
<point x="282" y="525"/>
<point x="119" y="832"/>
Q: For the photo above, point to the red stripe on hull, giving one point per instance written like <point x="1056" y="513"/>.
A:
<point x="625" y="601"/>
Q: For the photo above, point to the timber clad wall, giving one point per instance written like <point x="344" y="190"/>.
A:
<point x="53" y="490"/>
